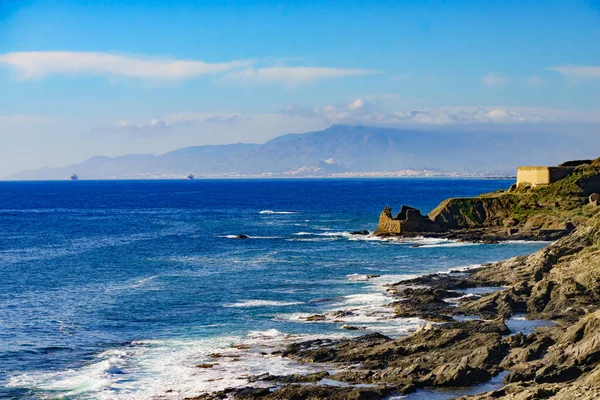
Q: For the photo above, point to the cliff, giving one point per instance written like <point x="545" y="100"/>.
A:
<point x="544" y="212"/>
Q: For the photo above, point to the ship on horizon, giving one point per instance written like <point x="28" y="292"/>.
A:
<point x="74" y="177"/>
<point x="190" y="177"/>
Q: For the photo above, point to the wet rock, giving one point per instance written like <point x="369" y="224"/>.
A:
<point x="302" y="392"/>
<point x="206" y="365"/>
<point x="458" y="375"/>
<point x="353" y="328"/>
<point x="314" y="318"/>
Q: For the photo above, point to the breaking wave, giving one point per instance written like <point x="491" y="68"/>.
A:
<point x="263" y="303"/>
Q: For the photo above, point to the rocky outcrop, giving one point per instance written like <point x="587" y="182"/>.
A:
<point x="542" y="213"/>
<point x="408" y="220"/>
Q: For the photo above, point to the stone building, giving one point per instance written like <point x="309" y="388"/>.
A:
<point x="536" y="176"/>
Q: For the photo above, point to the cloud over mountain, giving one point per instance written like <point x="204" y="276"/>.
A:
<point x="361" y="111"/>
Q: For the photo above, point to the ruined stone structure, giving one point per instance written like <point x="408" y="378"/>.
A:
<point x="409" y="219"/>
<point x="536" y="176"/>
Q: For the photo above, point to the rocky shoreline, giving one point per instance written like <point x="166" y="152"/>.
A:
<point x="468" y="341"/>
<point x="469" y="338"/>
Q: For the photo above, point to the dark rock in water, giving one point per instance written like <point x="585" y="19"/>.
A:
<point x="317" y="317"/>
<point x="353" y="328"/>
<point x="364" y="232"/>
<point x="242" y="237"/>
<point x="341" y="313"/>
<point x="373" y="276"/>
<point x="206" y="365"/>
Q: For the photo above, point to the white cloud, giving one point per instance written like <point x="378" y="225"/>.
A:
<point x="575" y="73"/>
<point x="494" y="79"/>
<point x="534" y="80"/>
<point x="361" y="111"/>
<point x="39" y="64"/>
<point x="175" y="121"/>
<point x="292" y="76"/>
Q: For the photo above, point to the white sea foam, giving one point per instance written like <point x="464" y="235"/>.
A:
<point x="276" y="212"/>
<point x="167" y="368"/>
<point x="263" y="303"/>
<point x="357" y="278"/>
<point x="330" y="239"/>
<point x="528" y="242"/>
<point x="333" y="235"/>
<point x="134" y="284"/>
<point x="425" y="242"/>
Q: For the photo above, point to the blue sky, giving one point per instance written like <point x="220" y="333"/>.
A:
<point x="79" y="78"/>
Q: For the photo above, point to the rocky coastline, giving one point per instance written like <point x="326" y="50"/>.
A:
<point x="469" y="338"/>
<point x="521" y="212"/>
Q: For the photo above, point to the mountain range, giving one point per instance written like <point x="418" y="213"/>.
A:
<point x="344" y="149"/>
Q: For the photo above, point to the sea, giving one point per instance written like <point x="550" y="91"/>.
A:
<point x="141" y="290"/>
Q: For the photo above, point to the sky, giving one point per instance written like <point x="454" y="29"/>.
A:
<point x="84" y="78"/>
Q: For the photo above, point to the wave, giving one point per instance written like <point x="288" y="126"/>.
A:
<point x="361" y="277"/>
<point x="428" y="243"/>
<point x="311" y="239"/>
<point x="528" y="242"/>
<point x="276" y="212"/>
<point x="168" y="368"/>
<point x="340" y="235"/>
<point x="263" y="303"/>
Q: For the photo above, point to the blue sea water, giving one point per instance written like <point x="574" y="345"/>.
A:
<point x="118" y="289"/>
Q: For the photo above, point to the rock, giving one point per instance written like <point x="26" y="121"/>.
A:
<point x="298" y="392"/>
<point x="594" y="199"/>
<point x="364" y="232"/>
<point x="353" y="328"/>
<point x="341" y="313"/>
<point x="458" y="375"/>
<point x="314" y="318"/>
<point x="206" y="365"/>
<point x="242" y="237"/>
<point x="508" y="222"/>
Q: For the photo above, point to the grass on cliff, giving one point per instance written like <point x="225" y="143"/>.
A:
<point x="568" y="187"/>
